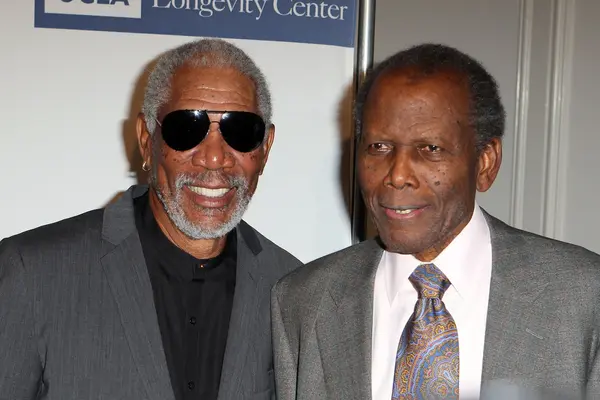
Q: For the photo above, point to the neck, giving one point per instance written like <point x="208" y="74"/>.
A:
<point x="198" y="248"/>
<point x="432" y="253"/>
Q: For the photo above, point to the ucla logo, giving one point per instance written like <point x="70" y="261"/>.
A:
<point x="100" y="8"/>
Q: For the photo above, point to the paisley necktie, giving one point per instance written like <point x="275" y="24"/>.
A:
<point x="427" y="363"/>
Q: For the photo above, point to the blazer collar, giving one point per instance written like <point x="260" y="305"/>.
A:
<point x="127" y="274"/>
<point x="346" y="323"/>
<point x="119" y="220"/>
<point x="357" y="275"/>
<point x="125" y="269"/>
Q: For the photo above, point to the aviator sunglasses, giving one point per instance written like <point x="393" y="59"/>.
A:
<point x="184" y="129"/>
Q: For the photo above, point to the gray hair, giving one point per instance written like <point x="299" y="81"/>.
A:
<point x="201" y="53"/>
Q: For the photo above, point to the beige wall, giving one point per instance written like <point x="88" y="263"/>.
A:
<point x="581" y="183"/>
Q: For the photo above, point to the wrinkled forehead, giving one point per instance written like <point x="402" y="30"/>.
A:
<point x="213" y="88"/>
<point x="219" y="78"/>
<point x="409" y="89"/>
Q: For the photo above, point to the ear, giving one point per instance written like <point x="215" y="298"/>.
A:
<point x="267" y="146"/>
<point x="488" y="164"/>
<point x="144" y="139"/>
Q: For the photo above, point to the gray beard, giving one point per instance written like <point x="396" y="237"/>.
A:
<point x="172" y="204"/>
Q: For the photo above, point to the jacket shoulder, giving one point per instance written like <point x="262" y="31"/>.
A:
<point x="542" y="246"/>
<point x="565" y="262"/>
<point x="66" y="234"/>
<point x="300" y="294"/>
<point x="315" y="277"/>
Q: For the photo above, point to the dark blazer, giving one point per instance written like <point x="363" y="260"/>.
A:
<point x="77" y="317"/>
<point x="542" y="335"/>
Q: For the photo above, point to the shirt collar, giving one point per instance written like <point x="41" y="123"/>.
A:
<point x="459" y="261"/>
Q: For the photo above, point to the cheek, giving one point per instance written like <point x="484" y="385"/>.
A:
<point x="435" y="177"/>
<point x="371" y="173"/>
<point x="255" y="157"/>
<point x="448" y="183"/>
<point x="250" y="165"/>
<point x="170" y="164"/>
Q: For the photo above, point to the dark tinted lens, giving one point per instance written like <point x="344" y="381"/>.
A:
<point x="183" y="129"/>
<point x="243" y="131"/>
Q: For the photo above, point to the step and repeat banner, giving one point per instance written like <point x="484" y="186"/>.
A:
<point x="73" y="74"/>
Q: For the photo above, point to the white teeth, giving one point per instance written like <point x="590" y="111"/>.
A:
<point x="404" y="212"/>
<point x="209" y="192"/>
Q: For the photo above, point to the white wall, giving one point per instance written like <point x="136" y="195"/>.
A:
<point x="69" y="100"/>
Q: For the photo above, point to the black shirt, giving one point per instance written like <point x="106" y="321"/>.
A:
<point x="193" y="300"/>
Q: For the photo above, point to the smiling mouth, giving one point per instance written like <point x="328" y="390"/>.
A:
<point x="208" y="192"/>
<point x="403" y="212"/>
<point x="404" y="209"/>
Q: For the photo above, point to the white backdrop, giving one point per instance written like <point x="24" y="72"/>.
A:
<point x="67" y="142"/>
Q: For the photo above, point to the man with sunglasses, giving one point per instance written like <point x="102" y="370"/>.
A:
<point x="163" y="295"/>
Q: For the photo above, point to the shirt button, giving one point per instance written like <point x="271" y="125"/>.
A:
<point x="191" y="385"/>
<point x="193" y="320"/>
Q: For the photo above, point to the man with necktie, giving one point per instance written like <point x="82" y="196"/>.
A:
<point x="448" y="301"/>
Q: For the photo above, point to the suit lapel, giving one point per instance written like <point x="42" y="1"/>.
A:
<point x="512" y="323"/>
<point x="345" y="324"/>
<point x="245" y="314"/>
<point x="127" y="275"/>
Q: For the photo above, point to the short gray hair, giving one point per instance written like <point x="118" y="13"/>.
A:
<point x="201" y="53"/>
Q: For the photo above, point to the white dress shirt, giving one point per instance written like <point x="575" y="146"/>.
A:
<point x="467" y="263"/>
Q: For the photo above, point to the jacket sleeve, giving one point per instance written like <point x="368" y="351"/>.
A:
<point x="285" y="349"/>
<point x="20" y="361"/>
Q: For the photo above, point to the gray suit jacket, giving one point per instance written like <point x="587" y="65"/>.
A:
<point x="542" y="335"/>
<point x="77" y="317"/>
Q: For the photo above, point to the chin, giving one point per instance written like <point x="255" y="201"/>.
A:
<point x="200" y="215"/>
<point x="208" y="224"/>
<point x="402" y="247"/>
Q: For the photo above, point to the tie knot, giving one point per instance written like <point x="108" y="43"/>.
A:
<point x="429" y="281"/>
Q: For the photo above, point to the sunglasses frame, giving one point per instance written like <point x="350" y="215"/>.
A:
<point x="224" y="114"/>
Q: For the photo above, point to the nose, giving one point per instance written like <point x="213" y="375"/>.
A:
<point x="402" y="170"/>
<point x="213" y="153"/>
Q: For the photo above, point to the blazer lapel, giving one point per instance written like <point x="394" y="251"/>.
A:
<point x="126" y="272"/>
<point x="344" y="327"/>
<point x="245" y="314"/>
<point x="512" y="323"/>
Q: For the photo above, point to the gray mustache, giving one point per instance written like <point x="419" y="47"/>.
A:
<point x="210" y="177"/>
